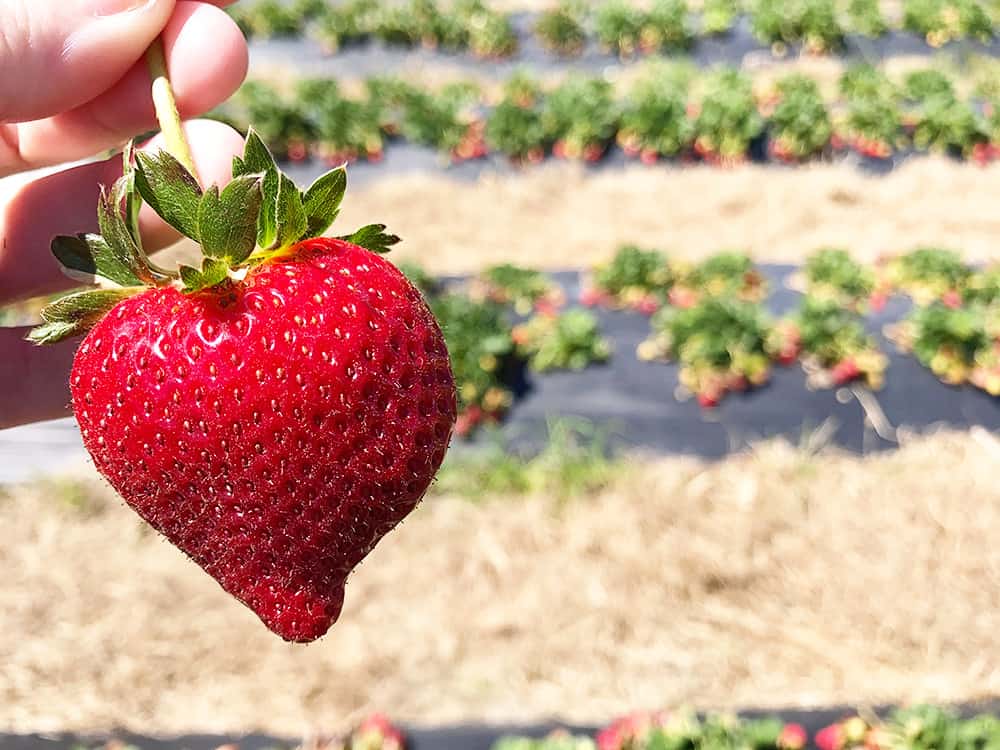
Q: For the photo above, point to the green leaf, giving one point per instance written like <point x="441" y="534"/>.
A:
<point x="213" y="271"/>
<point x="170" y="190"/>
<point x="372" y="237"/>
<point x="90" y="254"/>
<point x="322" y="200"/>
<point x="258" y="160"/>
<point x="116" y="234"/>
<point x="227" y="223"/>
<point x="292" y="222"/>
<point x="133" y="201"/>
<point x="77" y="313"/>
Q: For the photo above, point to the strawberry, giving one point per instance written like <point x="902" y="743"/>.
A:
<point x="830" y="738"/>
<point x="792" y="737"/>
<point x="273" y="413"/>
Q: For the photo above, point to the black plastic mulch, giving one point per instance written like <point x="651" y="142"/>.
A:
<point x="634" y="402"/>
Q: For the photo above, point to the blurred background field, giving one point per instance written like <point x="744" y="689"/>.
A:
<point x="569" y="583"/>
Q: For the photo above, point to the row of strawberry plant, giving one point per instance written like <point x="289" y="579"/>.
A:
<point x="922" y="727"/>
<point x="621" y="27"/>
<point x="709" y="318"/>
<point x="502" y="320"/>
<point x="671" y="113"/>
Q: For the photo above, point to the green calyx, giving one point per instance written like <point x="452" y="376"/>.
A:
<point x="261" y="215"/>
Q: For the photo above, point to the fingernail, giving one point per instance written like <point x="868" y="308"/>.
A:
<point x="101" y="8"/>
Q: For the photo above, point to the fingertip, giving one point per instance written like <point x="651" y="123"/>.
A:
<point x="206" y="54"/>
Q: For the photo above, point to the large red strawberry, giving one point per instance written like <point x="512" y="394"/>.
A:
<point x="275" y="412"/>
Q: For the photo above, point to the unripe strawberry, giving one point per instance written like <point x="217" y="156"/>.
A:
<point x="792" y="737"/>
<point x="274" y="413"/>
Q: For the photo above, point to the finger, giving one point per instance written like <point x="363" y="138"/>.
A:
<point x="66" y="203"/>
<point x="207" y="60"/>
<point x="56" y="55"/>
<point x="34" y="382"/>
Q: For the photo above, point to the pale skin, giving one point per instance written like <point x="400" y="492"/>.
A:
<point x="73" y="84"/>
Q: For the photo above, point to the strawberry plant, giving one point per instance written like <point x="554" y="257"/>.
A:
<point x="580" y="118"/>
<point x="719" y="16"/>
<point x="666" y="27"/>
<point x="723" y="274"/>
<point x="921" y="85"/>
<point x="280" y="123"/>
<point x="814" y="23"/>
<point x="928" y="274"/>
<point x="635" y="278"/>
<point x="490" y="34"/>
<point x="561" y="29"/>
<point x="872" y="124"/>
<point x="948" y="125"/>
<point x="721" y="343"/>
<point x="524" y="288"/>
<point x="515" y="126"/>
<point x="945" y="339"/>
<point x="942" y="21"/>
<point x="482" y="354"/>
<point x="269" y="18"/>
<point x="833" y="345"/>
<point x="983" y="286"/>
<point x="800" y="123"/>
<point x="618" y="24"/>
<point x="683" y="730"/>
<point x="352" y="22"/>
<point x="345" y="129"/>
<point x="442" y="121"/>
<point x="273" y="410"/>
<point x="654" y="120"/>
<point x="374" y="733"/>
<point x="727" y="120"/>
<point x="556" y="740"/>
<point x="865" y="17"/>
<point x="398" y="24"/>
<point x="831" y="274"/>
<point x="568" y="341"/>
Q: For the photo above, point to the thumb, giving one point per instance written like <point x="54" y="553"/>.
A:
<point x="58" y="54"/>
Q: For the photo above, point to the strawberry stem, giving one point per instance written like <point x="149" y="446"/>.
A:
<point x="166" y="108"/>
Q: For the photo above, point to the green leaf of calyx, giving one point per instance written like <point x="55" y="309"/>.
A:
<point x="170" y="190"/>
<point x="77" y="313"/>
<point x="116" y="234"/>
<point x="133" y="201"/>
<point x="292" y="222"/>
<point x="89" y="254"/>
<point x="258" y="160"/>
<point x="227" y="222"/>
<point x="213" y="271"/>
<point x="372" y="237"/>
<point x="322" y="201"/>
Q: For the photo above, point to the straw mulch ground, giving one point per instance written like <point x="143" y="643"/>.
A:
<point x="775" y="577"/>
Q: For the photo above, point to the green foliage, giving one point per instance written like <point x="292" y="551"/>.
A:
<point x="831" y="273"/>
<point x="515" y="126"/>
<point x="574" y="463"/>
<point x="728" y="119"/>
<point x="829" y="332"/>
<point x="800" y="124"/>
<point x="865" y="17"/>
<point x="561" y="29"/>
<point x="928" y="272"/>
<point x="941" y="21"/>
<point x="815" y="23"/>
<point x="655" y="115"/>
<point x="568" y="341"/>
<point x="618" y="24"/>
<point x="581" y="111"/>
<point x="719" y="16"/>
<point x="633" y="267"/>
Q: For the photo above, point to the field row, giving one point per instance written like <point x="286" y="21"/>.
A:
<point x="712" y="319"/>
<point x="673" y="113"/>
<point x="620" y="27"/>
<point x="922" y="727"/>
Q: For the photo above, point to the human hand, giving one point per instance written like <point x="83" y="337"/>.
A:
<point x="74" y="83"/>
